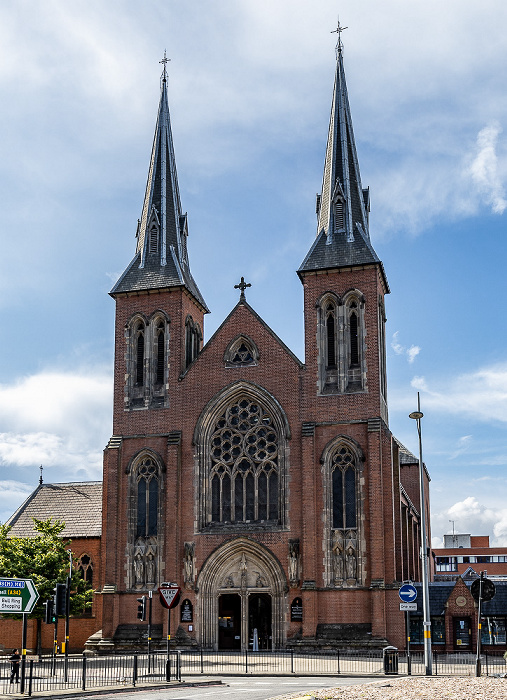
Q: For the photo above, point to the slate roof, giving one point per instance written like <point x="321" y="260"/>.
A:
<point x="406" y="457"/>
<point x="78" y="504"/>
<point x="343" y="243"/>
<point x="441" y="590"/>
<point x="167" y="265"/>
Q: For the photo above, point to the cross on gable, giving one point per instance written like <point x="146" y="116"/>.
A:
<point x="242" y="286"/>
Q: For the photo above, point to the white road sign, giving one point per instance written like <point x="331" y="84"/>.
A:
<point x="408" y="606"/>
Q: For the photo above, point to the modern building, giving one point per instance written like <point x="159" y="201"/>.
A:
<point x="467" y="556"/>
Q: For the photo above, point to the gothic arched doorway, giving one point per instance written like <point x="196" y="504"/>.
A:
<point x="241" y="588"/>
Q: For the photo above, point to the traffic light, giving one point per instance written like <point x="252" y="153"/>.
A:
<point x="141" y="608"/>
<point x="49" y="615"/>
<point x="60" y="599"/>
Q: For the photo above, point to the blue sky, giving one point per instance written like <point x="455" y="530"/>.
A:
<point x="250" y="93"/>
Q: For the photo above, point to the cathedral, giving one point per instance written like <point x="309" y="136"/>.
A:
<point x="270" y="489"/>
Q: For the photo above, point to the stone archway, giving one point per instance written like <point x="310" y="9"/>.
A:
<point x="244" y="568"/>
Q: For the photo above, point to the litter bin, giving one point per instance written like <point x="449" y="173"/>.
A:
<point x="390" y="661"/>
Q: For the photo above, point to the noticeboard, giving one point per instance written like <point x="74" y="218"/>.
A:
<point x="296" y="610"/>
<point x="186" y="611"/>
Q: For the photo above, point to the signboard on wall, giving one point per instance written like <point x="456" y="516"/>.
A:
<point x="186" y="611"/>
<point x="296" y="610"/>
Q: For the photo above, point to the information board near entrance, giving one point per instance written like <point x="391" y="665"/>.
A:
<point x="17" y="595"/>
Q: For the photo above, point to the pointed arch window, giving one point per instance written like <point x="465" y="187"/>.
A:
<point x="244" y="466"/>
<point x="341" y="357"/>
<point x="153" y="240"/>
<point x="85" y="568"/>
<point x="193" y="338"/>
<point x="344" y="489"/>
<point x="339" y="216"/>
<point x="139" y="348"/>
<point x="160" y="353"/>
<point x="147" y="498"/>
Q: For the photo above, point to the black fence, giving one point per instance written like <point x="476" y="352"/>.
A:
<point x="84" y="672"/>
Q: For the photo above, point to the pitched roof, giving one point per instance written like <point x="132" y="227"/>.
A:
<point x="343" y="238"/>
<point x="78" y="504"/>
<point x="164" y="263"/>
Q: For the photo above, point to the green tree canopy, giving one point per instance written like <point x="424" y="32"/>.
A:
<point x="45" y="559"/>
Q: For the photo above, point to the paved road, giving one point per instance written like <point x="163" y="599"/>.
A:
<point x="250" y="688"/>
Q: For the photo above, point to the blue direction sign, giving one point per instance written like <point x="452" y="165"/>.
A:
<point x="408" y="593"/>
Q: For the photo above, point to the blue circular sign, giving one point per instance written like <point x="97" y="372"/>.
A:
<point x="408" y="593"/>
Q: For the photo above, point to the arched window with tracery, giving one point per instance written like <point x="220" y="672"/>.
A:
<point x="243" y="463"/>
<point x="145" y="520"/>
<point x="139" y="353"/>
<point x="193" y="338"/>
<point x="342" y="462"/>
<point x="147" y="498"/>
<point x="342" y="366"/>
<point x="241" y="352"/>
<point x="85" y="568"/>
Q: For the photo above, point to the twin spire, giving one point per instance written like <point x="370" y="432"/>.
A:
<point x="161" y="258"/>
<point x="343" y="239"/>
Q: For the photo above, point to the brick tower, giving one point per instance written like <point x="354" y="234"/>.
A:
<point x="269" y="489"/>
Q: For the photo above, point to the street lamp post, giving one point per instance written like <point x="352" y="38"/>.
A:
<point x="417" y="415"/>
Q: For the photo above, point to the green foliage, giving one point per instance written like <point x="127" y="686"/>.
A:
<point x="45" y="559"/>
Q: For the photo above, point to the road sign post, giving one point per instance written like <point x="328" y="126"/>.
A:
<point x="408" y="595"/>
<point x="169" y="597"/>
<point x="482" y="589"/>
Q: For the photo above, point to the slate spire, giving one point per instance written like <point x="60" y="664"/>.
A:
<point x="343" y="237"/>
<point x="161" y="258"/>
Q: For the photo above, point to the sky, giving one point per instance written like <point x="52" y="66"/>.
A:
<point x="250" y="86"/>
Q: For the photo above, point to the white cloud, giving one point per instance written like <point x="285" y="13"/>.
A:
<point x="57" y="419"/>
<point x="474" y="518"/>
<point x="400" y="349"/>
<point x="481" y="394"/>
<point x="463" y="445"/>
<point x="484" y="169"/>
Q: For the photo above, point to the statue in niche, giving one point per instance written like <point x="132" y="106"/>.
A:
<point x="188" y="564"/>
<point x="351" y="562"/>
<point x="338" y="554"/>
<point x="150" y="569"/>
<point x="261" y="581"/>
<point x="139" y="570"/>
<point x="243" y="568"/>
<point x="294" y="563"/>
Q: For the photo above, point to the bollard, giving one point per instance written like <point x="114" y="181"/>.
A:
<point x="83" y="673"/>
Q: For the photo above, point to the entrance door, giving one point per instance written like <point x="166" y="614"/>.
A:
<point x="259" y="618"/>
<point x="229" y="621"/>
<point x="462" y="633"/>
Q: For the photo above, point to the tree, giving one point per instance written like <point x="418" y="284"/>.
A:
<point x="45" y="559"/>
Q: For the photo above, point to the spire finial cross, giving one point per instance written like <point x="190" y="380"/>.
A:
<point x="339" y="29"/>
<point x="165" y="60"/>
<point x="242" y="286"/>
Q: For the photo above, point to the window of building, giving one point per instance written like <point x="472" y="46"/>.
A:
<point x="417" y="630"/>
<point x="147" y="361"/>
<point x="342" y="366"/>
<point x="85" y="568"/>
<point x="344" y="489"/>
<point x="493" y="631"/>
<point x="193" y="338"/>
<point x="244" y="465"/>
<point x="147" y="498"/>
<point x="241" y="352"/>
<point x="139" y="345"/>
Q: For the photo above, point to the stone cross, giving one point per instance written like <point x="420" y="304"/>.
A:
<point x="242" y="286"/>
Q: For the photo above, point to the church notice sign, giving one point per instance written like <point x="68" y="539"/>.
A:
<point x="296" y="610"/>
<point x="17" y="595"/>
<point x="186" y="611"/>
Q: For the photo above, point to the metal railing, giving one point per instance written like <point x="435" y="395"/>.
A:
<point x="84" y="672"/>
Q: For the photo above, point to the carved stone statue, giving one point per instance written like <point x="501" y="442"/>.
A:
<point x="294" y="563"/>
<point x="338" y="554"/>
<point x="351" y="562"/>
<point x="260" y="581"/>
<point x="188" y="565"/>
<point x="139" y="570"/>
<point x="243" y="568"/>
<point x="150" y="569"/>
<point x="228" y="582"/>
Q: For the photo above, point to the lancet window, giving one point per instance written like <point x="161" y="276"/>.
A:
<point x="147" y="361"/>
<point x="341" y="468"/>
<point x="193" y="338"/>
<point x="342" y="366"/>
<point x="85" y="568"/>
<point x="145" y="520"/>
